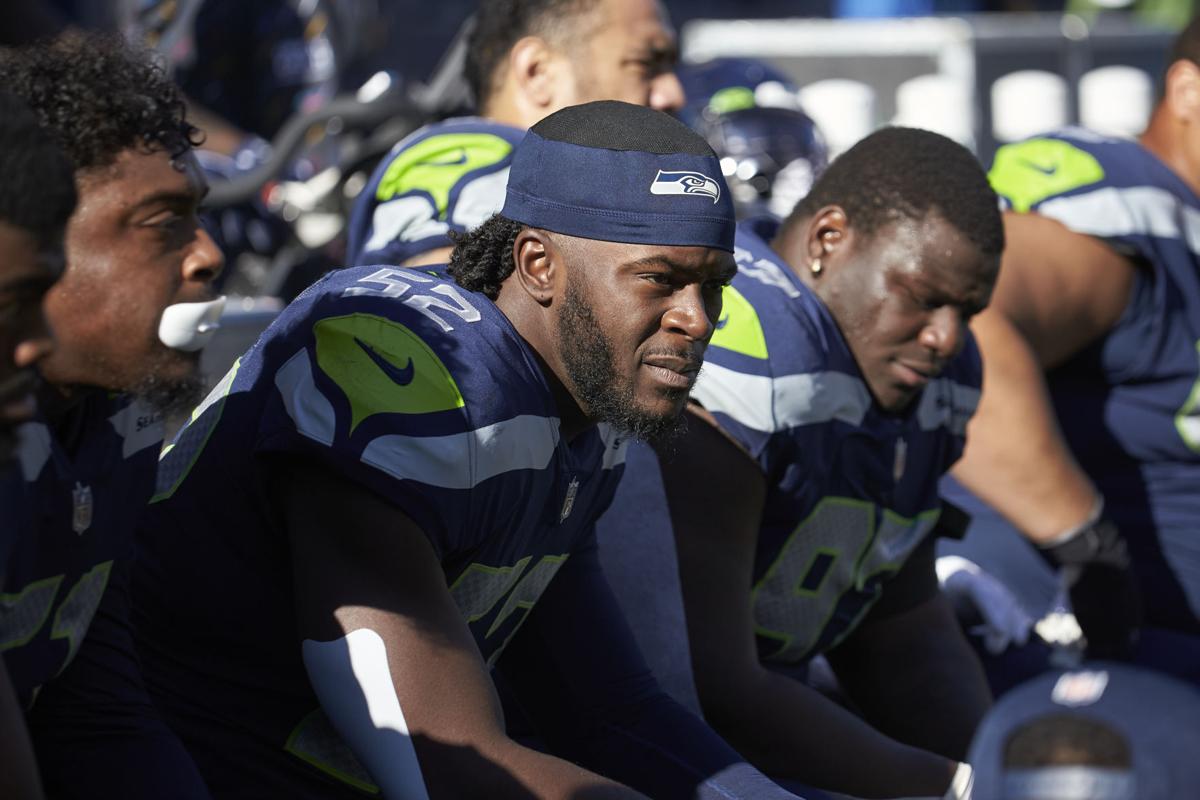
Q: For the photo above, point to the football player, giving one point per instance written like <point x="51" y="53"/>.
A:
<point x="128" y="315"/>
<point x="1091" y="355"/>
<point x="37" y="196"/>
<point x="394" y="491"/>
<point x="525" y="59"/>
<point x="804" y="498"/>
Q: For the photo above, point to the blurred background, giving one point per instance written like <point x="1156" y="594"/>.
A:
<point x="301" y="99"/>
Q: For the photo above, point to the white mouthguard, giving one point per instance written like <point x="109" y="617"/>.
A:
<point x="190" y="326"/>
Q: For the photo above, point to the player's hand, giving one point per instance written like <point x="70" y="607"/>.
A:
<point x="1104" y="594"/>
<point x="981" y="597"/>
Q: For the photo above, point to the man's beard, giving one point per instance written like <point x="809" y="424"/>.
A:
<point x="174" y="396"/>
<point x="588" y="357"/>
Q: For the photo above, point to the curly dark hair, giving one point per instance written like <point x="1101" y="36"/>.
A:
<point x="499" y="24"/>
<point x="98" y="97"/>
<point x="483" y="257"/>
<point x="37" y="182"/>
<point x="898" y="173"/>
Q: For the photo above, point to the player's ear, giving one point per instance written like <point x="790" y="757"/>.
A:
<point x="537" y="262"/>
<point x="535" y="71"/>
<point x="1182" y="93"/>
<point x="826" y="234"/>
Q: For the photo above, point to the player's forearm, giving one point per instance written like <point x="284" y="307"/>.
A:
<point x="928" y="691"/>
<point x="543" y="776"/>
<point x="790" y="731"/>
<point x="1016" y="459"/>
<point x="459" y="758"/>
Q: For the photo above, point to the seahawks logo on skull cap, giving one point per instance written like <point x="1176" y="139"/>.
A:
<point x="685" y="182"/>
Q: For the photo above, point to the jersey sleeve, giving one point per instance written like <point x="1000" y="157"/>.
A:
<point x="1028" y="173"/>
<point x="415" y="405"/>
<point x="1113" y="190"/>
<point x="737" y="384"/>
<point x="394" y="379"/>
<point x="424" y="192"/>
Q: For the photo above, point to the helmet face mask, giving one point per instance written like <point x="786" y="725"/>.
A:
<point x="770" y="157"/>
<point x="771" y="151"/>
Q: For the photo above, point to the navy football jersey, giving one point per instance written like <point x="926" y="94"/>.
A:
<point x="443" y="178"/>
<point x="851" y="490"/>
<point x="416" y="389"/>
<point x="72" y="503"/>
<point x="1129" y="405"/>
<point x="74" y="520"/>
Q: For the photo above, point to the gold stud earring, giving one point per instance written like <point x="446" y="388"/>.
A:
<point x="815" y="266"/>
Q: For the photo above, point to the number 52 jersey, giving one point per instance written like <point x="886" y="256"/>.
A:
<point x="419" y="391"/>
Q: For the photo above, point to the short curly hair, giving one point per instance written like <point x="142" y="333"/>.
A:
<point x="98" y="97"/>
<point x="37" y="184"/>
<point x="905" y="173"/>
<point x="483" y="258"/>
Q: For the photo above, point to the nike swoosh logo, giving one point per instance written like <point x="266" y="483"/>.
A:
<point x="399" y="376"/>
<point x="722" y="322"/>
<point x="1047" y="171"/>
<point x="462" y="159"/>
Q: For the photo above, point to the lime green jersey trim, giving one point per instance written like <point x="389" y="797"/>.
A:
<point x="739" y="328"/>
<point x="38" y="597"/>
<point x="438" y="163"/>
<point x="77" y="609"/>
<point x="1186" y="420"/>
<point x="216" y="398"/>
<point x="863" y="508"/>
<point x="477" y="590"/>
<point x="298" y="746"/>
<point x="383" y="367"/>
<point x="1029" y="172"/>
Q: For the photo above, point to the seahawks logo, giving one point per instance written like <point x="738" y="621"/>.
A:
<point x="683" y="182"/>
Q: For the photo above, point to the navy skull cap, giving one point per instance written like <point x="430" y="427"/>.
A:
<point x="620" y="173"/>
<point x="1157" y="716"/>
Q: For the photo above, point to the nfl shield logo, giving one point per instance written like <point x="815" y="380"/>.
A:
<point x="569" y="502"/>
<point x="1079" y="688"/>
<point x="81" y="518"/>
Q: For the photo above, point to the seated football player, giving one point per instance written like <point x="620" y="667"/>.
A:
<point x="524" y="61"/>
<point x="803" y="499"/>
<point x="37" y="196"/>
<point x="1091" y="349"/>
<point x="125" y="315"/>
<point x="393" y="493"/>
